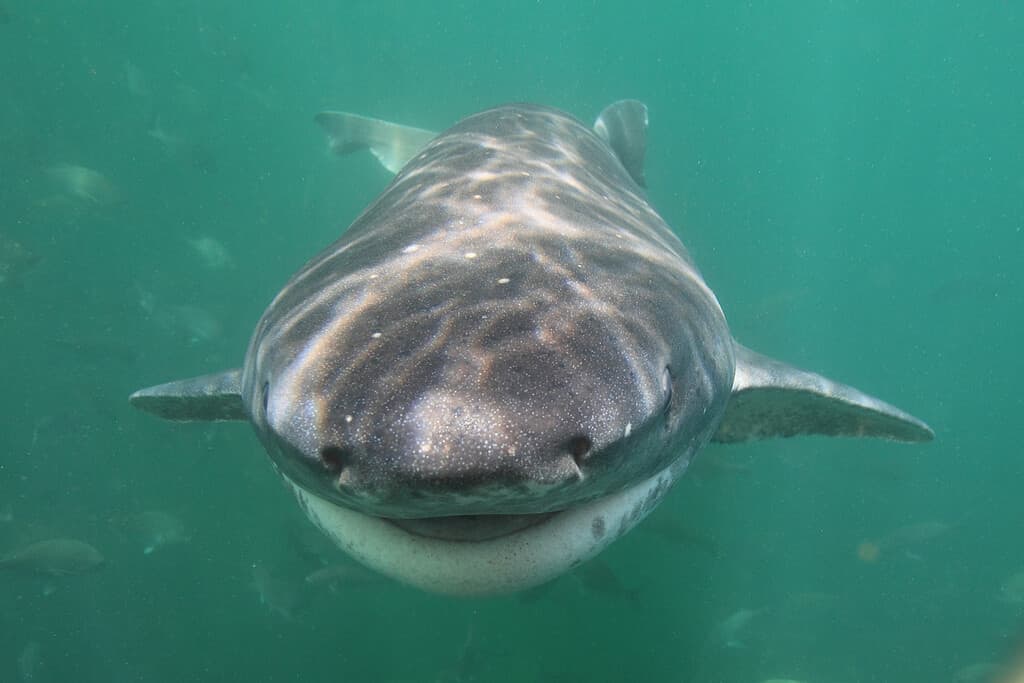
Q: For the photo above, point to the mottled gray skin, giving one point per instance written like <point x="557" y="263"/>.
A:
<point x="510" y="297"/>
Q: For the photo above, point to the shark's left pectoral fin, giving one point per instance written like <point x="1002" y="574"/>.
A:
<point x="210" y="398"/>
<point x="772" y="399"/>
<point x="393" y="144"/>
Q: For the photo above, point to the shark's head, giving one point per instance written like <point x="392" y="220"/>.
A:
<point x="523" y="409"/>
<point x="484" y="408"/>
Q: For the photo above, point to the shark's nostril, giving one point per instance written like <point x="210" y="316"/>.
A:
<point x="334" y="458"/>
<point x="579" y="448"/>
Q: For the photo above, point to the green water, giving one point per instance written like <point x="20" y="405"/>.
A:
<point x="849" y="176"/>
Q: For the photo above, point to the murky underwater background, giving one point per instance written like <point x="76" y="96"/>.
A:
<point x="848" y="175"/>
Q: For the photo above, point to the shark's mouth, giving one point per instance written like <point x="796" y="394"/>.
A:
<point x="488" y="553"/>
<point x="469" y="528"/>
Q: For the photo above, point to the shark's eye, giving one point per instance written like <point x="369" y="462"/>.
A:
<point x="579" y="448"/>
<point x="333" y="458"/>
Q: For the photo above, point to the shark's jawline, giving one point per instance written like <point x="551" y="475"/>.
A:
<point x="510" y="562"/>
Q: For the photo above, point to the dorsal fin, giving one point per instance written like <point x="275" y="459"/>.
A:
<point x="393" y="144"/>
<point x="770" y="399"/>
<point x="623" y="125"/>
<point x="210" y="398"/>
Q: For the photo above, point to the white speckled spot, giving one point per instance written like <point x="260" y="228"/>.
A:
<point x="375" y="335"/>
<point x="629" y="428"/>
<point x="470" y="254"/>
<point x="503" y="280"/>
<point x="410" y="249"/>
<point x="348" y="418"/>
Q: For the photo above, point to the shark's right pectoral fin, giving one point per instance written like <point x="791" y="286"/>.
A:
<point x="210" y="398"/>
<point x="773" y="399"/>
<point x="394" y="145"/>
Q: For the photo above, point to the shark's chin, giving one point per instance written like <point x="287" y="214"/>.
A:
<point x="486" y="554"/>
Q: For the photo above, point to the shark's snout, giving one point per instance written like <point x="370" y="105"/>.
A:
<point x="468" y="430"/>
<point x="462" y="462"/>
<point x="448" y="457"/>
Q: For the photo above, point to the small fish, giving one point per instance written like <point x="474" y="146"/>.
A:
<point x="54" y="557"/>
<point x="29" y="661"/>
<point x="264" y="95"/>
<point x="84" y="184"/>
<point x="15" y="260"/>
<point x="195" y="324"/>
<point x="720" y="644"/>
<point x="597" y="577"/>
<point x="212" y="253"/>
<point x="347" y="573"/>
<point x="469" y="663"/>
<point x="195" y="154"/>
<point x="1011" y="590"/>
<point x="158" y="529"/>
<point x="146" y="299"/>
<point x="284" y="598"/>
<point x="904" y="538"/>
<point x="728" y="632"/>
<point x="199" y="324"/>
<point x="172" y="143"/>
<point x="136" y="81"/>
